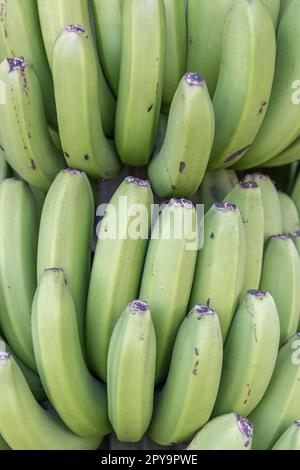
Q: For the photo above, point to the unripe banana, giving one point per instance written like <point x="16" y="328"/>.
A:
<point x="289" y="213"/>
<point x="221" y="263"/>
<point x="185" y="403"/>
<point x="245" y="81"/>
<point x="247" y="196"/>
<point x="288" y="155"/>
<point x="117" y="266"/>
<point x="228" y="432"/>
<point x="131" y="372"/>
<point x="39" y="199"/>
<point x="296" y="193"/>
<point x="274" y="7"/>
<point x="141" y="79"/>
<point x="283" y="6"/>
<point x="24" y="133"/>
<point x="66" y="234"/>
<point x="205" y="23"/>
<point x="280" y="404"/>
<point x="24" y="424"/>
<point x="281" y="278"/>
<point x="75" y="74"/>
<point x="250" y="354"/>
<point x="179" y="167"/>
<point x="276" y="133"/>
<point x="215" y="186"/>
<point x="145" y="444"/>
<point x="295" y="236"/>
<point x="161" y="132"/>
<point x="55" y="138"/>
<point x="290" y="439"/>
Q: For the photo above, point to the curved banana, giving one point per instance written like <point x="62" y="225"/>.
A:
<point x="247" y="196"/>
<point x="75" y="73"/>
<point x="274" y="7"/>
<point x="288" y="155"/>
<point x="206" y="23"/>
<point x="185" y="403"/>
<point x="141" y="79"/>
<point x="24" y="424"/>
<point x="276" y="134"/>
<point x="245" y="81"/>
<point x="215" y="186"/>
<point x="250" y="354"/>
<point x="280" y="404"/>
<point x="66" y="234"/>
<point x="179" y="167"/>
<point x="24" y="134"/>
<point x="228" y="432"/>
<point x="172" y="251"/>
<point x="290" y="439"/>
<point x="117" y="266"/>
<point x="39" y="198"/>
<point x="295" y="236"/>
<point x="289" y="213"/>
<point x="281" y="278"/>
<point x="219" y="274"/>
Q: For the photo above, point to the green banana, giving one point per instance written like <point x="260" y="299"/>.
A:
<point x="245" y="81"/>
<point x="206" y="23"/>
<point x="228" y="432"/>
<point x="215" y="186"/>
<point x="296" y="193"/>
<point x="66" y="234"/>
<point x="250" y="354"/>
<point x="56" y="139"/>
<point x="161" y="132"/>
<point x="24" y="133"/>
<point x="172" y="251"/>
<point x="289" y="213"/>
<point x="295" y="236"/>
<point x="24" y="424"/>
<point x="290" y="439"/>
<point x="141" y="79"/>
<point x="179" y="167"/>
<point x="185" y="403"/>
<point x="145" y="444"/>
<point x="247" y="196"/>
<point x="283" y="6"/>
<point x="276" y="134"/>
<point x="75" y="73"/>
<point x="221" y="262"/>
<point x="117" y="266"/>
<point x="130" y="394"/>
<point x="288" y="155"/>
<point x="5" y="171"/>
<point x="39" y="198"/>
<point x="280" y="404"/>
<point x="274" y="7"/>
<point x="281" y="278"/>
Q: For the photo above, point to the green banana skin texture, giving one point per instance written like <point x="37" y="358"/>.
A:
<point x="163" y="284"/>
<point x="289" y="213"/>
<point x="55" y="138"/>
<point x="274" y="8"/>
<point x="24" y="424"/>
<point x="117" y="269"/>
<point x="281" y="278"/>
<point x="283" y="6"/>
<point x="221" y="263"/>
<point x="215" y="186"/>
<point x="24" y="133"/>
<point x="277" y="410"/>
<point x="65" y="235"/>
<point x="179" y="167"/>
<point x="296" y="193"/>
<point x="194" y="373"/>
<point x="141" y="79"/>
<point x="250" y="354"/>
<point x="227" y="432"/>
<point x="276" y="134"/>
<point x="75" y="73"/>
<point x="290" y="439"/>
<point x="161" y="132"/>
<point x="247" y="196"/>
<point x="18" y="245"/>
<point x="130" y="396"/>
<point x="205" y="24"/>
<point x="5" y="171"/>
<point x="288" y="155"/>
<point x="248" y="74"/>
<point x="78" y="398"/>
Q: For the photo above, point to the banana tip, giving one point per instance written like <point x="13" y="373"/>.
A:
<point x="194" y="79"/>
<point x="257" y="293"/>
<point x="137" y="181"/>
<point x="297" y="422"/>
<point x="138" y="306"/>
<point x="16" y="63"/>
<point x="245" y="426"/>
<point x="181" y="203"/>
<point x="279" y="236"/>
<point x="225" y="206"/>
<point x="295" y="234"/>
<point x="248" y="185"/>
<point x="75" y="28"/>
<point x="4" y="357"/>
<point x="203" y="310"/>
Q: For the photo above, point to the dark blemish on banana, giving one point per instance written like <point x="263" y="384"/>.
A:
<point x="33" y="164"/>
<point x="195" y="368"/>
<point x="212" y="236"/>
<point x="190" y="39"/>
<point x="237" y="154"/>
<point x="173" y="187"/>
<point x="196" y="352"/>
<point x="66" y="155"/>
<point x="263" y="106"/>
<point x="29" y="135"/>
<point x="182" y="166"/>
<point x="150" y="108"/>
<point x="86" y="157"/>
<point x="1" y="148"/>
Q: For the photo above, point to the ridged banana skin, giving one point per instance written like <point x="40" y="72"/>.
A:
<point x="276" y="134"/>
<point x="141" y="79"/>
<point x="78" y="398"/>
<point x="277" y="410"/>
<point x="250" y="354"/>
<point x="18" y="247"/>
<point x="179" y="167"/>
<point x="227" y="432"/>
<point x="117" y="269"/>
<point x="221" y="263"/>
<point x="271" y="203"/>
<point x="24" y="135"/>
<point x="290" y="439"/>
<point x="288" y="155"/>
<point x="289" y="213"/>
<point x="176" y="48"/>
<point x="75" y="73"/>
<point x="215" y="186"/>
<point x="185" y="403"/>
<point x="205" y="24"/>
<point x="281" y="278"/>
<point x="247" y="196"/>
<point x="65" y="235"/>
<point x="245" y="81"/>
<point x="274" y="7"/>
<point x="24" y="424"/>
<point x="130" y="395"/>
<point x="163" y="283"/>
